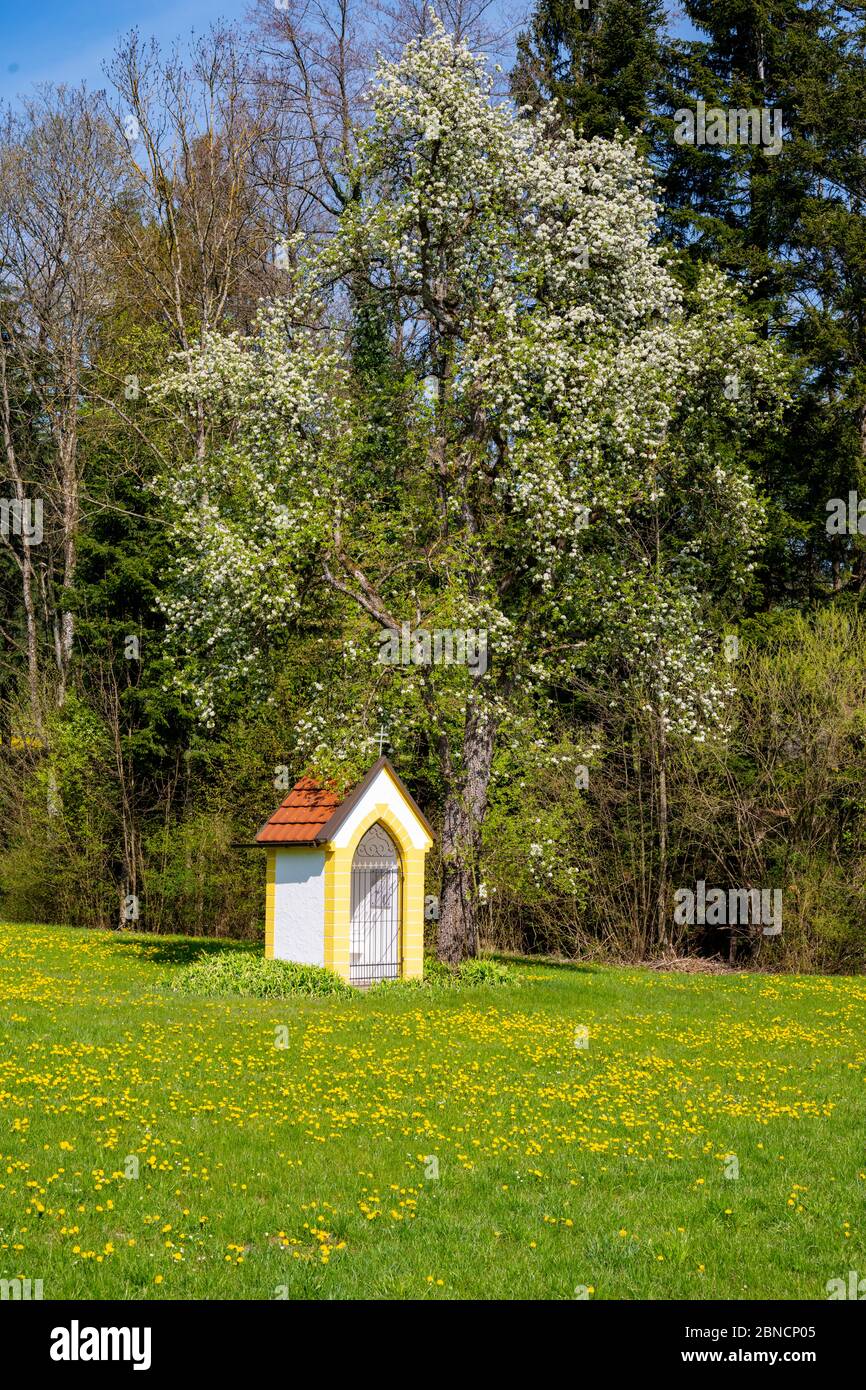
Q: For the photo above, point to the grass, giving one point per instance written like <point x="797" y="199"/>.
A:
<point x="290" y="1147"/>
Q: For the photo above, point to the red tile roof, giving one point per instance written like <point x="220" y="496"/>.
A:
<point x="298" y="821"/>
<point x="311" y="814"/>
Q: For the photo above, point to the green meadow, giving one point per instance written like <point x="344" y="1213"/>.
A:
<point x="583" y="1132"/>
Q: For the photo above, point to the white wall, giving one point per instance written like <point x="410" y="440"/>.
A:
<point x="382" y="791"/>
<point x="299" y="906"/>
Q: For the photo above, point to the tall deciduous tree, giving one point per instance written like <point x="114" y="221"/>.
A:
<point x="57" y="173"/>
<point x="194" y="229"/>
<point x="565" y="471"/>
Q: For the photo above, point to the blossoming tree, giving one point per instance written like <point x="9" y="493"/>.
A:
<point x="545" y="451"/>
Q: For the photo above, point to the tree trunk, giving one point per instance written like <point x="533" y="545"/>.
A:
<point x="465" y="807"/>
<point x="664" y="887"/>
<point x="64" y="620"/>
<point x="22" y="560"/>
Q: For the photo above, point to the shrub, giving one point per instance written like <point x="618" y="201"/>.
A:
<point x="469" y="972"/>
<point x="232" y="972"/>
<point x="485" y="972"/>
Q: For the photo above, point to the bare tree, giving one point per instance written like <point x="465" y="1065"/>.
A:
<point x="485" y="26"/>
<point x="317" y="58"/>
<point x="194" y="231"/>
<point x="56" y="168"/>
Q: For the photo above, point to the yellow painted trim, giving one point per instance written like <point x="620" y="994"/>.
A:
<point x="270" y="903"/>
<point x="411" y="943"/>
<point x="382" y="813"/>
<point x="338" y="890"/>
<point x="413" y="914"/>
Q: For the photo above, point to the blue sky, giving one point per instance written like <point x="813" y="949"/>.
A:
<point x="67" y="40"/>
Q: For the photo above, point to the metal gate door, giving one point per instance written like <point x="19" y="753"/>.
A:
<point x="375" y="931"/>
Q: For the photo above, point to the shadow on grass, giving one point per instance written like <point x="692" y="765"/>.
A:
<point x="183" y="950"/>
<point x="570" y="967"/>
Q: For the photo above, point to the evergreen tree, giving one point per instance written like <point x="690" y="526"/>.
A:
<point x="785" y="218"/>
<point x="599" y="61"/>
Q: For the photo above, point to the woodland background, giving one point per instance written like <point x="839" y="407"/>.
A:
<point x="137" y="220"/>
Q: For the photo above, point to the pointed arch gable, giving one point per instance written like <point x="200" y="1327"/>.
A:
<point x="338" y="879"/>
<point x="382" y="814"/>
<point x="385" y="790"/>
